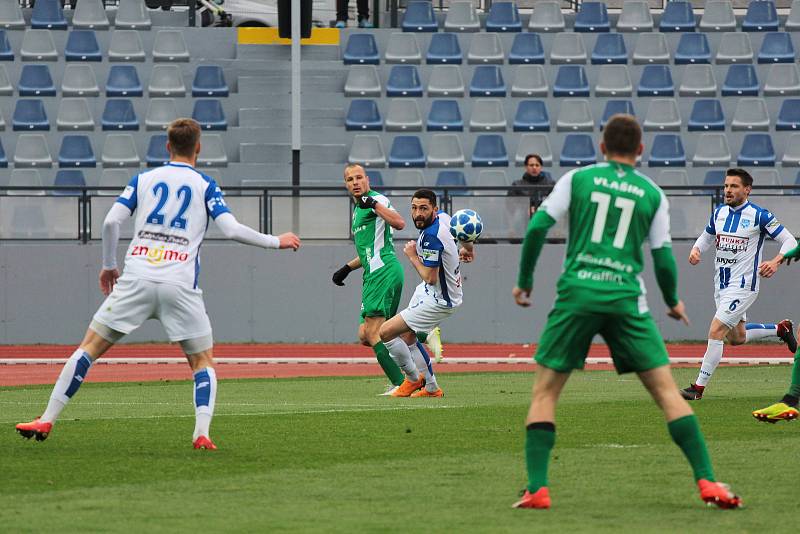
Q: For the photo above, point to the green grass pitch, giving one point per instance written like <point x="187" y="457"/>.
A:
<point x="327" y="455"/>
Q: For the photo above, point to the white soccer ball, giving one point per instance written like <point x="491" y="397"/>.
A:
<point x="466" y="225"/>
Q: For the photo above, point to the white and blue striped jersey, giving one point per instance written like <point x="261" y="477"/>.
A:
<point x="437" y="248"/>
<point x="740" y="233"/>
<point x="171" y="205"/>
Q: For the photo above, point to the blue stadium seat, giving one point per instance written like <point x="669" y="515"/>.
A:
<point x="363" y="115"/>
<point x="592" y="17"/>
<point x="489" y="151"/>
<point x="419" y="17"/>
<point x="532" y="117"/>
<point x="614" y="107"/>
<point x="406" y="152"/>
<point x="361" y="49"/>
<point x="6" y="52"/>
<point x="3" y="157"/>
<point x="503" y="17"/>
<point x="404" y="81"/>
<point x="48" y="15"/>
<point x="445" y="115"/>
<point x="487" y="80"/>
<point x="789" y="115"/>
<point x="119" y="115"/>
<point x="375" y="178"/>
<point x="82" y="45"/>
<point x="76" y="151"/>
<point x="677" y="17"/>
<point x="157" y="154"/>
<point x="761" y="16"/>
<point x="69" y="177"/>
<point x="741" y="80"/>
<point x="656" y="80"/>
<point x="757" y="150"/>
<point x="714" y="177"/>
<point x="609" y="48"/>
<point x="776" y="47"/>
<point x="210" y="114"/>
<point x="706" y="115"/>
<point x="209" y="80"/>
<point x="526" y="48"/>
<point x="444" y="48"/>
<point x="578" y="151"/>
<point x="667" y="151"/>
<point x="451" y="178"/>
<point x="35" y="80"/>
<point x="29" y="114"/>
<point x="123" y="80"/>
<point x="571" y="80"/>
<point x="693" y="48"/>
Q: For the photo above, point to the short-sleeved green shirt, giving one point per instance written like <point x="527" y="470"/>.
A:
<point x="373" y="238"/>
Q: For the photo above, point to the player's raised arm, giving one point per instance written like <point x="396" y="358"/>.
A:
<point x="392" y="218"/>
<point x="429" y="273"/>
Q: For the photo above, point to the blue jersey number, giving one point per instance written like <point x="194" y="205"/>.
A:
<point x="161" y="191"/>
<point x="733" y="305"/>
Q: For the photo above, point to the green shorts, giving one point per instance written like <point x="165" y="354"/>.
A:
<point x="381" y="292"/>
<point x="633" y="340"/>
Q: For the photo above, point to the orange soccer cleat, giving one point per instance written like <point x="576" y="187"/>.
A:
<point x="425" y="393"/>
<point x="540" y="499"/>
<point x="718" y="494"/>
<point x="35" y="428"/>
<point x="408" y="387"/>
<point x="203" y="442"/>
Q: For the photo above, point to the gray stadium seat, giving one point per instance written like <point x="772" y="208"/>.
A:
<point x="23" y="178"/>
<point x="529" y="80"/>
<point x="363" y="80"/>
<point x="492" y="178"/>
<point x="751" y="114"/>
<point x="79" y="80"/>
<point x="132" y="15"/>
<point x="791" y="154"/>
<point x="568" y="47"/>
<point x="712" y="150"/>
<point x="32" y="151"/>
<point x="651" y="48"/>
<point x="445" y="80"/>
<point x="166" y="80"/>
<point x="783" y="79"/>
<point x="698" y="80"/>
<point x="169" y="45"/>
<point x="11" y="15"/>
<point x="534" y="143"/>
<point x="613" y="80"/>
<point x="735" y="47"/>
<point x="38" y="45"/>
<point x="119" y="150"/>
<point x="90" y="15"/>
<point x="672" y="177"/>
<point x="212" y="151"/>
<point x="486" y="48"/>
<point x="765" y="176"/>
<point x="125" y="45"/>
<point x="6" y="89"/>
<point x="718" y="17"/>
<point x="635" y="17"/>
<point x="410" y="178"/>
<point x="403" y="48"/>
<point x="74" y="114"/>
<point x="663" y="116"/>
<point x="547" y="17"/>
<point x="403" y="116"/>
<point x="444" y="150"/>
<point x="367" y="150"/>
<point x="793" y="20"/>
<point x="462" y="17"/>
<point x="118" y="178"/>
<point x="487" y="116"/>
<point x="160" y="112"/>
<point x="575" y="116"/>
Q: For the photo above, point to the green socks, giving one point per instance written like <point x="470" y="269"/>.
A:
<point x="686" y="434"/>
<point x="388" y="365"/>
<point x="539" y="441"/>
<point x="422" y="337"/>
<point x="794" y="389"/>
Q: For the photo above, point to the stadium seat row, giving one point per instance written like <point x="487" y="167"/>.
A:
<point x="88" y="14"/>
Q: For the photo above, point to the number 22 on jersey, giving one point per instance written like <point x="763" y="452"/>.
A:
<point x="162" y="193"/>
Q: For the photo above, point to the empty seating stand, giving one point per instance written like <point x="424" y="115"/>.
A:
<point x="419" y="17"/>
<point x="82" y="45"/>
<point x="76" y="151"/>
<point x="503" y="17"/>
<point x="592" y="17"/>
<point x="445" y="48"/>
<point x="209" y="80"/>
<point x="47" y="14"/>
<point x="361" y="49"/>
<point x="363" y="115"/>
<point x="119" y="114"/>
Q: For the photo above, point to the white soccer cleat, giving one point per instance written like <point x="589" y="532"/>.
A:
<point x="435" y="344"/>
<point x="391" y="388"/>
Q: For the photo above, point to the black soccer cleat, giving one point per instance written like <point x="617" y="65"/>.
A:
<point x="786" y="334"/>
<point x="693" y="392"/>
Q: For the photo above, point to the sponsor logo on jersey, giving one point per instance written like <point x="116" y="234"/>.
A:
<point x="745" y="223"/>
<point x="600" y="276"/>
<point x="604" y="262"/>
<point x="731" y="243"/>
<point x="623" y="187"/>
<point x="773" y="224"/>
<point x="359" y="229"/>
<point x="159" y="255"/>
<point x="167" y="238"/>
<point x="430" y="255"/>
<point x="727" y="261"/>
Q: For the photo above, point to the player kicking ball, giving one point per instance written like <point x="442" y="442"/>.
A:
<point x="436" y="258"/>
<point x="612" y="210"/>
<point x="738" y="229"/>
<point x="171" y="206"/>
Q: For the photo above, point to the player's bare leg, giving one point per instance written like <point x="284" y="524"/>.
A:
<point x="205" y="395"/>
<point x="717" y="333"/>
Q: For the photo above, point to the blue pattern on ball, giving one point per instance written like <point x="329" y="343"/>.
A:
<point x="466" y="225"/>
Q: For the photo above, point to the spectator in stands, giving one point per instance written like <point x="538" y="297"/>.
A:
<point x="534" y="175"/>
<point x="342" y="7"/>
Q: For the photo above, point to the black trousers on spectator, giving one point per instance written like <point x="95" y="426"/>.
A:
<point x="341" y="9"/>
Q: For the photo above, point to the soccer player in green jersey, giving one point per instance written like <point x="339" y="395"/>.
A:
<point x="612" y="210"/>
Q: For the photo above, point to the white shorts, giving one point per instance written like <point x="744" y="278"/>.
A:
<point x="733" y="303"/>
<point x="423" y="313"/>
<point x="133" y="301"/>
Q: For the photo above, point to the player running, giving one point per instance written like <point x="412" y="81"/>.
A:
<point x="612" y="210"/>
<point x="738" y="229"/>
<point x="171" y="205"/>
<point x="435" y="256"/>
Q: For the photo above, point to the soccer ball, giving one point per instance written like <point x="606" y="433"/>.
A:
<point x="466" y="225"/>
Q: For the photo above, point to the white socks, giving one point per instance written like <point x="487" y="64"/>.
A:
<point x="711" y="360"/>
<point x="205" y="395"/>
<point x="70" y="379"/>
<point x="423" y="363"/>
<point x="402" y="356"/>
<point x="761" y="331"/>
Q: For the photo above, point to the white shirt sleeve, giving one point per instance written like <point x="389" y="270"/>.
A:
<point x="659" y="236"/>
<point x="705" y="241"/>
<point x="115" y="217"/>
<point x="237" y="231"/>
<point x="786" y="240"/>
<point x="557" y="202"/>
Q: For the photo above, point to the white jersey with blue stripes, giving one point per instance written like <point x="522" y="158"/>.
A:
<point x="740" y="233"/>
<point x="437" y="248"/>
<point x="171" y="205"/>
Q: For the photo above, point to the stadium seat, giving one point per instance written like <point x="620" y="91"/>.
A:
<point x="677" y="17"/>
<point x="419" y="17"/>
<point x="403" y="48"/>
<point x="783" y="79"/>
<point x="614" y="107"/>
<point x="212" y="153"/>
<point x="635" y="17"/>
<point x="35" y="80"/>
<point x="367" y="150"/>
<point x="409" y="178"/>
<point x="170" y="46"/>
<point x="11" y="17"/>
<point x="160" y="112"/>
<point x="568" y="47"/>
<point x="531" y="116"/>
<point x="38" y="45"/>
<point x="734" y="47"/>
<point x="776" y="48"/>
<point x="592" y="17"/>
<point x="90" y="15"/>
<point x="6" y="89"/>
<point x="485" y="48"/>
<point x="667" y="151"/>
<point x="526" y="48"/>
<point x="718" y="17"/>
<point x="209" y="80"/>
<point x="706" y="115"/>
<point x="711" y="150"/>
<point x="529" y="81"/>
<point x="132" y="15"/>
<point x="119" y="150"/>
<point x="3" y="159"/>
<point x="761" y="16"/>
<point x="166" y="81"/>
<point x="656" y="80"/>
<point x="766" y="176"/>
<point x="126" y="45"/>
<point x="446" y="80"/>
<point x="123" y="80"/>
<point x="698" y="80"/>
<point x="791" y="153"/>
<point x="403" y="116"/>
<point x="361" y="49"/>
<point x="613" y="80"/>
<point x="693" y="48"/>
<point x="404" y="81"/>
<point x="363" y="115"/>
<point x="578" y="150"/>
<point x="757" y="150"/>
<point x="375" y="178"/>
<point x="82" y="45"/>
<point x="406" y="151"/>
<point x="487" y="116"/>
<point x="444" y="48"/>
<point x="452" y="179"/>
<point x="444" y="150"/>
<point x="575" y="116"/>
<point x="6" y="52"/>
<point x="29" y="114"/>
<point x="445" y="115"/>
<point x="79" y="80"/>
<point x="609" y="48"/>
<point x="651" y="48"/>
<point x="492" y="178"/>
<point x="741" y="80"/>
<point x="712" y="178"/>
<point x="662" y="116"/>
<point x="119" y="115"/>
<point x="534" y="143"/>
<point x="157" y="154"/>
<point x="751" y="115"/>
<point x="48" y="15"/>
<point x="23" y="178"/>
<point x="362" y="80"/>
<point x="74" y="115"/>
<point x="462" y="17"/>
<point x="792" y="23"/>
<point x="503" y="17"/>
<point x="69" y="177"/>
<point x="76" y="151"/>
<point x="789" y="115"/>
<point x="547" y="17"/>
<point x="489" y="151"/>
<point x="571" y="81"/>
<point x="32" y="151"/>
<point x="672" y="177"/>
<point x="487" y="80"/>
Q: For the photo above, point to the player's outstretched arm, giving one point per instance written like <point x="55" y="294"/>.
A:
<point x="114" y="219"/>
<point x="233" y="229"/>
<point x="341" y="274"/>
<point x="392" y="218"/>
